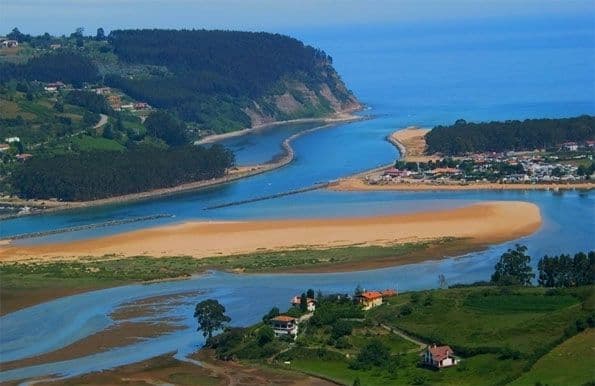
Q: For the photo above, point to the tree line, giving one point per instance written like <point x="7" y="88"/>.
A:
<point x="567" y="271"/>
<point x="96" y="175"/>
<point x="513" y="268"/>
<point x="63" y="65"/>
<point x="90" y="100"/>
<point x="468" y="137"/>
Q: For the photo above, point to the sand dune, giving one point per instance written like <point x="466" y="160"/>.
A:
<point x="483" y="223"/>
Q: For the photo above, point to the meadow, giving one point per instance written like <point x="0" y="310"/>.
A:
<point x="501" y="335"/>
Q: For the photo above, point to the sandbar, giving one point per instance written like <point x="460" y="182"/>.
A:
<point x="483" y="223"/>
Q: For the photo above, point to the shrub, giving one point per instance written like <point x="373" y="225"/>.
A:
<point x="405" y="310"/>
<point x="375" y="353"/>
<point x="265" y="335"/>
<point x="342" y="343"/>
<point x="341" y="328"/>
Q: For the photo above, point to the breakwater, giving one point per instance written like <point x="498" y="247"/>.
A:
<point x="272" y="196"/>
<point x="86" y="227"/>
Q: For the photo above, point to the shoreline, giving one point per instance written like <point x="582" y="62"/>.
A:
<point x="203" y="239"/>
<point x="407" y="142"/>
<point x="342" y="116"/>
<point x="49" y="206"/>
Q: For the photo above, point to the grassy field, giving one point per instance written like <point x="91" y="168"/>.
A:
<point x="88" y="143"/>
<point x="500" y="334"/>
<point x="479" y="370"/>
<point x="486" y="320"/>
<point x="575" y="356"/>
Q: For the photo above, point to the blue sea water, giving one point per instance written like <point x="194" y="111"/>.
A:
<point x="423" y="74"/>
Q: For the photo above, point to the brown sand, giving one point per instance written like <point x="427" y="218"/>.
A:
<point x="166" y="370"/>
<point x="483" y="223"/>
<point x="412" y="144"/>
<point x="358" y="184"/>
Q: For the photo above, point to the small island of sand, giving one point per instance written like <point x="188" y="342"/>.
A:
<point x="482" y="224"/>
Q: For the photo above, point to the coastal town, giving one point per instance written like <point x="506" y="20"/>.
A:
<point x="568" y="165"/>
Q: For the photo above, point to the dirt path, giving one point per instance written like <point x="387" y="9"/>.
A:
<point x="421" y="345"/>
<point x="102" y="121"/>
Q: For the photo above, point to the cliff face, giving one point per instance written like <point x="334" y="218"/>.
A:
<point x="296" y="99"/>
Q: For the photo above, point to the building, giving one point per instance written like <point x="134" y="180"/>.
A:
<point x="444" y="171"/>
<point x="141" y="106"/>
<point x="310" y="303"/>
<point x="115" y="101"/>
<point x="12" y="139"/>
<point x="54" y="86"/>
<point x="24" y="156"/>
<point x="8" y="43"/>
<point x="4" y="147"/>
<point x="438" y="357"/>
<point x="393" y="172"/>
<point x="284" y="326"/>
<point x="103" y="90"/>
<point x="570" y="146"/>
<point x="55" y="46"/>
<point x="389" y="292"/>
<point x="369" y="299"/>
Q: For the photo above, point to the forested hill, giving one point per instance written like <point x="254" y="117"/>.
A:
<point x="229" y="80"/>
<point x="216" y="81"/>
<point x="468" y="137"/>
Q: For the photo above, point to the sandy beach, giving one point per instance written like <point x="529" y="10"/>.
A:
<point x="358" y="184"/>
<point x="411" y="144"/>
<point x="484" y="223"/>
<point x="344" y="116"/>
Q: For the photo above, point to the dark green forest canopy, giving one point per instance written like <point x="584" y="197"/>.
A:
<point x="468" y="137"/>
<point x="65" y="66"/>
<point x="95" y="175"/>
<point x="212" y="79"/>
<point x="232" y="62"/>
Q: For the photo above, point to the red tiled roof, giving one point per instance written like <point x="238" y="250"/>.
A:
<point x="283" y="318"/>
<point x="440" y="352"/>
<point x="370" y="295"/>
<point x="389" y="292"/>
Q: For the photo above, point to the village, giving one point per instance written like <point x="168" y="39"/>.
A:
<point x="571" y="162"/>
<point x="303" y="307"/>
<point x="13" y="147"/>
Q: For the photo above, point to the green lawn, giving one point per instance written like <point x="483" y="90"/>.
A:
<point x="569" y="364"/>
<point x="88" y="143"/>
<point x="479" y="370"/>
<point x="483" y="320"/>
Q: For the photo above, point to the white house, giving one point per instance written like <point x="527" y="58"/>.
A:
<point x="438" y="357"/>
<point x="8" y="43"/>
<point x="310" y="303"/>
<point x="284" y="325"/>
<point x="12" y="139"/>
<point x="570" y="146"/>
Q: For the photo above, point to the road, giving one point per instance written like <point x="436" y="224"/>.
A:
<point x="102" y="121"/>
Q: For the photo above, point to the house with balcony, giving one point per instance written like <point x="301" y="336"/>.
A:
<point x="284" y="326"/>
